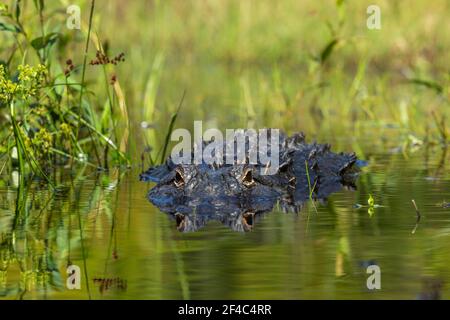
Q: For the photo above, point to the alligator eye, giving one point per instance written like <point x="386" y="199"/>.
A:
<point x="292" y="182"/>
<point x="247" y="220"/>
<point x="179" y="178"/>
<point x="283" y="168"/>
<point x="180" y="219"/>
<point x="247" y="178"/>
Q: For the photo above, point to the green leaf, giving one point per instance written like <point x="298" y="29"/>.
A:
<point x="39" y="4"/>
<point x="105" y="117"/>
<point x="371" y="201"/>
<point x="9" y="27"/>
<point x="3" y="8"/>
<point x="326" y="52"/>
<point x="428" y="84"/>
<point x="169" y="131"/>
<point x="17" y="13"/>
<point x="43" y="42"/>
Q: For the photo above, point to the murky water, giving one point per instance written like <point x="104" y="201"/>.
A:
<point x="127" y="249"/>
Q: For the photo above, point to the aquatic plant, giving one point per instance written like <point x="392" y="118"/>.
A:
<point x="50" y="121"/>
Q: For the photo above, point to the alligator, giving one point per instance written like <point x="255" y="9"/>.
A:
<point x="238" y="194"/>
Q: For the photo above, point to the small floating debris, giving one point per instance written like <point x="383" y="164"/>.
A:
<point x="371" y="201"/>
<point x="444" y="204"/>
<point x="417" y="215"/>
<point x="371" y="205"/>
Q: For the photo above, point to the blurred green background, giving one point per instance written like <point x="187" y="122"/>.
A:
<point x="298" y="65"/>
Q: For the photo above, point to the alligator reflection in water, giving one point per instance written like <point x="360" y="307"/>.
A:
<point x="238" y="194"/>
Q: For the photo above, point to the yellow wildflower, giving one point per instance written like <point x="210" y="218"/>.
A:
<point x="30" y="80"/>
<point x="43" y="141"/>
<point x="65" y="129"/>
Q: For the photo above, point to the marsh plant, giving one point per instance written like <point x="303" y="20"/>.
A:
<point x="49" y="113"/>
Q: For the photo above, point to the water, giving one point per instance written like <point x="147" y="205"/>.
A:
<point x="127" y="249"/>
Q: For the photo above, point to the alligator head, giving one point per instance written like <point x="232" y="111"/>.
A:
<point x="236" y="194"/>
<point x="194" y="194"/>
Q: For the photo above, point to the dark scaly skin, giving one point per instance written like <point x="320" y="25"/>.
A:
<point x="213" y="194"/>
<point x="238" y="194"/>
<point x="327" y="171"/>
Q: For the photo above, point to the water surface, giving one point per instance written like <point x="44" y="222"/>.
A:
<point x="128" y="249"/>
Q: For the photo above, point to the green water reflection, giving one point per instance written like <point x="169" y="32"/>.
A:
<point x="127" y="249"/>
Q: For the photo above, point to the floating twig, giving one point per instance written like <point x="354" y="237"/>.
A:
<point x="418" y="216"/>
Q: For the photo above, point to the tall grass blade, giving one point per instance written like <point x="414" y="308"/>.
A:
<point x="169" y="130"/>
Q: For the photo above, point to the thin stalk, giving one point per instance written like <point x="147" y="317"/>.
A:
<point x="83" y="77"/>
<point x="83" y="71"/>
<point x="83" y="249"/>
<point x="110" y="99"/>
<point x="18" y="146"/>
<point x="441" y="127"/>
<point x="112" y="234"/>
<point x="41" y="22"/>
<point x="311" y="190"/>
<point x="62" y="153"/>
<point x="418" y="216"/>
<point x="169" y="130"/>
<point x="3" y="167"/>
<point x="105" y="138"/>
<point x="21" y="150"/>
